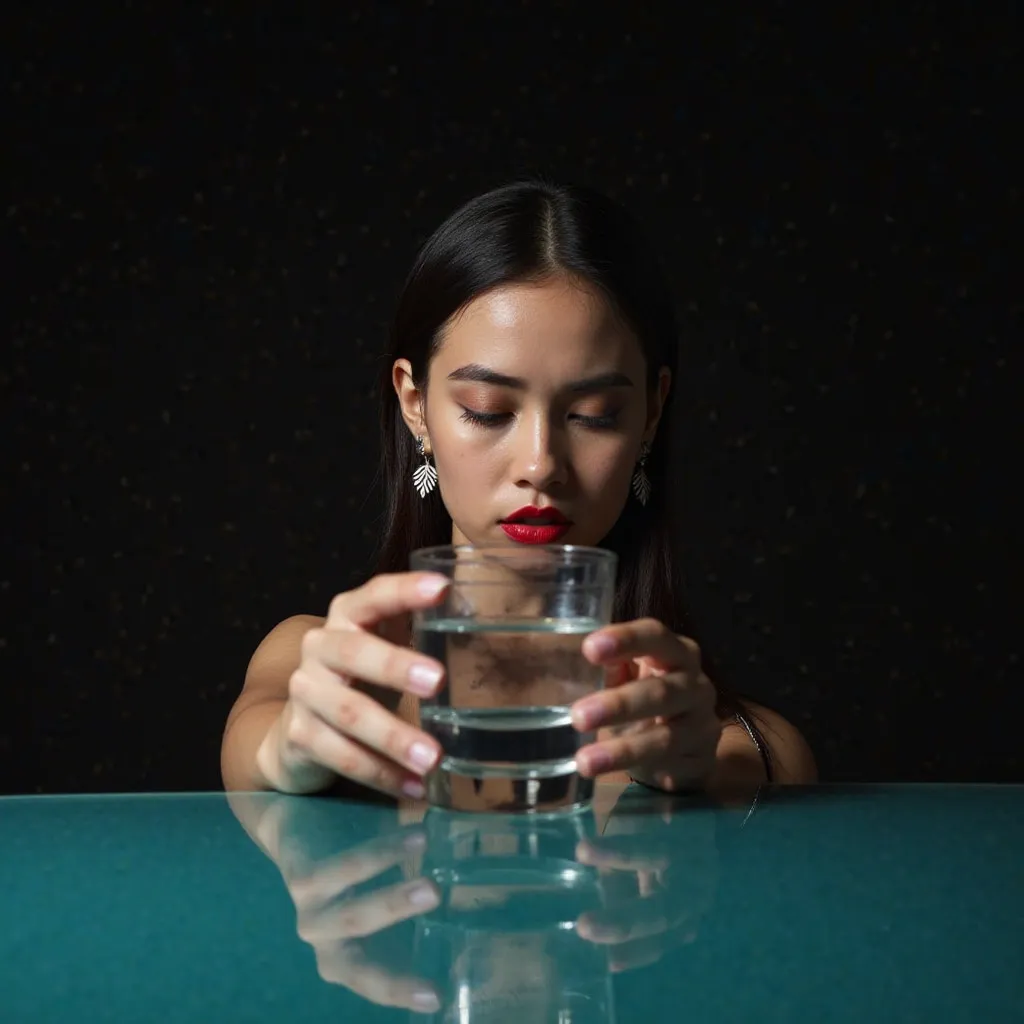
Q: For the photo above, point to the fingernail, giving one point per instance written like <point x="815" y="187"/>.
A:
<point x="586" y="714"/>
<point x="596" y="761"/>
<point x="413" y="789"/>
<point x="424" y="678"/>
<point x="431" y="586"/>
<point x="422" y="894"/>
<point x="422" y="756"/>
<point x="602" y="645"/>
<point x="424" y="999"/>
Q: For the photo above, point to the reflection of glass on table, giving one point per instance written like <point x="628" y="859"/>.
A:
<point x="510" y="632"/>
<point x="502" y="944"/>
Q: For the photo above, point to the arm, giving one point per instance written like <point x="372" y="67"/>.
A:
<point x="738" y="761"/>
<point x="738" y="764"/>
<point x="249" y="734"/>
<point x="257" y="729"/>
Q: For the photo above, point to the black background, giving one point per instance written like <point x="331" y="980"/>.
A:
<point x="211" y="213"/>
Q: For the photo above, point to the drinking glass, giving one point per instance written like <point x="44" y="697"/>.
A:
<point x="502" y="943"/>
<point x="509" y="633"/>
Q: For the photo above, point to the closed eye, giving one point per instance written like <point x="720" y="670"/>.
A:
<point x="496" y="419"/>
<point x="608" y="422"/>
<point x="484" y="419"/>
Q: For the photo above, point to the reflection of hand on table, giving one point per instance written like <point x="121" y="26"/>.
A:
<point x="658" y="864"/>
<point x="330" y="920"/>
<point x="660" y="875"/>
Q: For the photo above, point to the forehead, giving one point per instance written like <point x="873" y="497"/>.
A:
<point x="556" y="329"/>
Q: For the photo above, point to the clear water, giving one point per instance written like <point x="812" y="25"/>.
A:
<point x="505" y="708"/>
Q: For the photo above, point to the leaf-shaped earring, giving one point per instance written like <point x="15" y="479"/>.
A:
<point x="425" y="477"/>
<point x="641" y="481"/>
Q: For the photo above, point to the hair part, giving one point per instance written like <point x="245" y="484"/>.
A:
<point x="533" y="231"/>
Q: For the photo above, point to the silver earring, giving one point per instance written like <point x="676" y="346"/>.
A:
<point x="425" y="477"/>
<point x="641" y="481"/>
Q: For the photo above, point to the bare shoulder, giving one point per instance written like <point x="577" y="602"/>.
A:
<point x="279" y="655"/>
<point x="792" y="757"/>
<point x="270" y="668"/>
<point x="281" y="650"/>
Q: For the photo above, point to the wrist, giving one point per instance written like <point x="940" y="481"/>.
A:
<point x="283" y="767"/>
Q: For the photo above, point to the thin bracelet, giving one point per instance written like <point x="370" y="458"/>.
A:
<point x="762" y="748"/>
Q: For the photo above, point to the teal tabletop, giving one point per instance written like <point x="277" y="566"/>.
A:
<point x="897" y="903"/>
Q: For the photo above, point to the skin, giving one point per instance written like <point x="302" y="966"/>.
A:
<point x="554" y="439"/>
<point x="548" y="443"/>
<point x="337" y="696"/>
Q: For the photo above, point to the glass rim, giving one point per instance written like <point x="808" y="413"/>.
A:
<point x="446" y="554"/>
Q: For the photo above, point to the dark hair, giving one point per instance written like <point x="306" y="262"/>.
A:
<point x="530" y="231"/>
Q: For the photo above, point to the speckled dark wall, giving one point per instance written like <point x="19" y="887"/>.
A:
<point x="212" y="213"/>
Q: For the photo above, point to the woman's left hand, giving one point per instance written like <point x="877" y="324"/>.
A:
<point x="657" y="713"/>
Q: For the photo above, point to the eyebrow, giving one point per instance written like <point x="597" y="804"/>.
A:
<point x="482" y="375"/>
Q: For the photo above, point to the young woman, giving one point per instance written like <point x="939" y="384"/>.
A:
<point x="532" y="361"/>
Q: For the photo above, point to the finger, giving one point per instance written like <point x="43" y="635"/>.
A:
<point x="647" y="881"/>
<point x="386" y="596"/>
<point x="632" y="955"/>
<point x="340" y="965"/>
<point x="619" y="672"/>
<point x="411" y="812"/>
<point x="361" y="655"/>
<point x="626" y="750"/>
<point x="639" y="920"/>
<point x="643" y="638"/>
<point x="367" y="915"/>
<point x="359" y="716"/>
<point x="685" y="775"/>
<point x="650" y="697"/>
<point x="666" y="754"/>
<point x="311" y="734"/>
<point x="330" y="878"/>
<point x="641" y="952"/>
<point x="619" y="853"/>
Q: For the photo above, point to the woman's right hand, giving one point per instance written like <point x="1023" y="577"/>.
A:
<point x="329" y="726"/>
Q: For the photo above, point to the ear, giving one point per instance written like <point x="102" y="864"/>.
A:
<point x="410" y="398"/>
<point x="656" y="403"/>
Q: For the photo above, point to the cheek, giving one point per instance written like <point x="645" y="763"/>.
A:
<point x="454" y="436"/>
<point x="605" y="467"/>
<point x="464" y="463"/>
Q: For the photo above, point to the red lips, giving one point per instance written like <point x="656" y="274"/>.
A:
<point x="532" y="525"/>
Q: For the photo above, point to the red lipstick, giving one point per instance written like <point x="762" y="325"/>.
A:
<point x="532" y="525"/>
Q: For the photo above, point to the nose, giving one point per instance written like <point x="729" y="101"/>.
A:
<point x="541" y="459"/>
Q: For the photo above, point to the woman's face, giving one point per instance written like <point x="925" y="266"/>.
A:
<point x="536" y="397"/>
